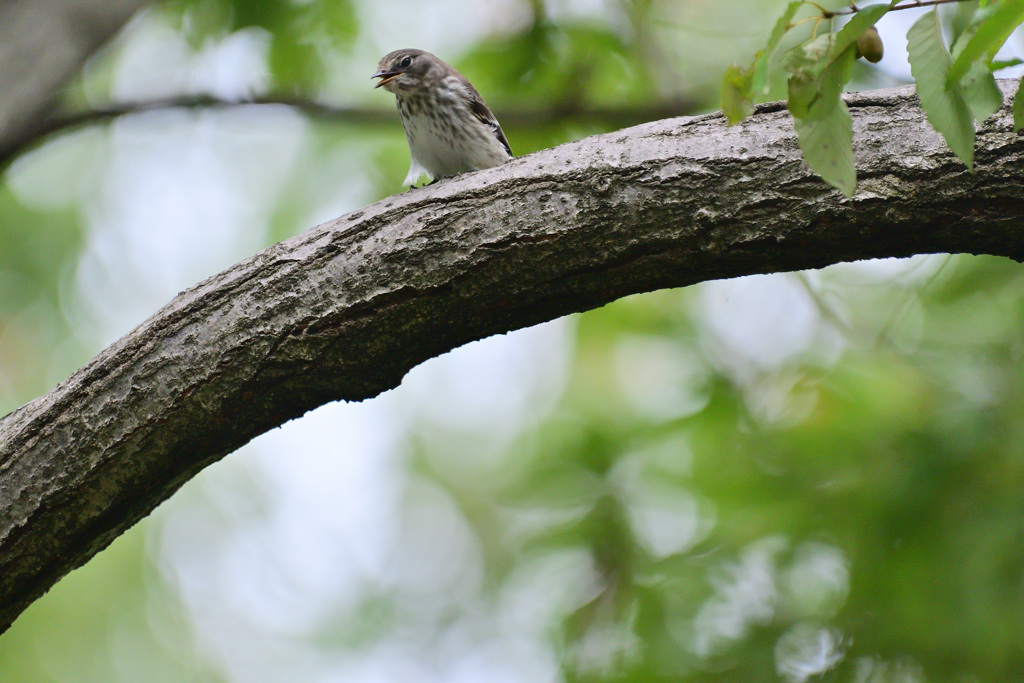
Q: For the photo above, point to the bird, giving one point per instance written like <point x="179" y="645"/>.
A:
<point x="448" y="126"/>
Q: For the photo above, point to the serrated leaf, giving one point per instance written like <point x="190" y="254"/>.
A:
<point x="827" y="144"/>
<point x="737" y="103"/>
<point x="803" y="92"/>
<point x="943" y="102"/>
<point x="838" y="73"/>
<point x="825" y="132"/>
<point x="809" y="57"/>
<point x="834" y="78"/>
<point x="979" y="85"/>
<point x="988" y="38"/>
<point x="818" y="77"/>
<point x="761" y="62"/>
<point x="804" y="64"/>
<point x="1018" y="108"/>
<point x="981" y="92"/>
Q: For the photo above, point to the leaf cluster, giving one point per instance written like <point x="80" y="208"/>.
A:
<point x="955" y="83"/>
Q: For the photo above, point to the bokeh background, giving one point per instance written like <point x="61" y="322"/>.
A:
<point x="796" y="477"/>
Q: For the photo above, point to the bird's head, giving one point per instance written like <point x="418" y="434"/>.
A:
<point x="406" y="70"/>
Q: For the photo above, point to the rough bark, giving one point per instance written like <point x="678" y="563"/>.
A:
<point x="43" y="44"/>
<point x="344" y="310"/>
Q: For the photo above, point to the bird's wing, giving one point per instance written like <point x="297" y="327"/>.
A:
<point x="480" y="110"/>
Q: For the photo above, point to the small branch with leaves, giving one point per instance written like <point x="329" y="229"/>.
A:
<point x="912" y="4"/>
<point x="956" y="84"/>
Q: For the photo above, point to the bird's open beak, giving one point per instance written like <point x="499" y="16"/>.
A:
<point x="385" y="76"/>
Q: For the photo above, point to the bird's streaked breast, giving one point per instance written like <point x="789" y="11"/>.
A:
<point x="444" y="136"/>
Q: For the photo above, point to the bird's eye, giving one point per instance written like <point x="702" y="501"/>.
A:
<point x="406" y="62"/>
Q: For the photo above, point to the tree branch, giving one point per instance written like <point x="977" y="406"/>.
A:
<point x="613" y="117"/>
<point x="344" y="310"/>
<point x="910" y="4"/>
<point x="42" y="45"/>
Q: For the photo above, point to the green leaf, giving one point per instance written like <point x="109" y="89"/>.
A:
<point x="860" y="22"/>
<point x="943" y="102"/>
<point x="740" y="84"/>
<point x="806" y="63"/>
<point x="966" y="17"/>
<point x="825" y="133"/>
<point x="997" y="64"/>
<point x="827" y="144"/>
<point x="979" y="85"/>
<point x="737" y="103"/>
<point x="1018" y="108"/>
<point x="761" y="62"/>
<point x="988" y="38"/>
<point x="810" y="56"/>
<point x="981" y="92"/>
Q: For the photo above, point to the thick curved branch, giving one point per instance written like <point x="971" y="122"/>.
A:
<point x="344" y="310"/>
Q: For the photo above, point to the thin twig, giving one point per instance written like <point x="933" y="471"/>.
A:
<point x="853" y="9"/>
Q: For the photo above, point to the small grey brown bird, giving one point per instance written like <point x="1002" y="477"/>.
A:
<point x="449" y="128"/>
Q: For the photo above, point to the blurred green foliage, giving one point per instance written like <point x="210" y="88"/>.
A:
<point x="301" y="33"/>
<point x="39" y="246"/>
<point x="848" y="510"/>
